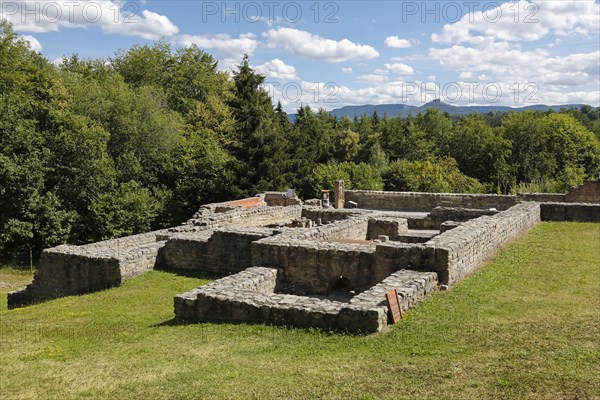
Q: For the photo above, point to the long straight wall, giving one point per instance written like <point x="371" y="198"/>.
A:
<point x="414" y="201"/>
<point x="458" y="252"/>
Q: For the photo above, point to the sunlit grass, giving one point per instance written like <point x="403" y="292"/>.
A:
<point x="525" y="327"/>
<point x="12" y="278"/>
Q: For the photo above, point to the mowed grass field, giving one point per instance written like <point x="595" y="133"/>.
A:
<point x="526" y="326"/>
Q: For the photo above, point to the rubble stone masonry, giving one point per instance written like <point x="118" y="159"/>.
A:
<point x="305" y="266"/>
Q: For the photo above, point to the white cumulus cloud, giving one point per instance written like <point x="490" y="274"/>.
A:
<point x="523" y="20"/>
<point x="397" y="43"/>
<point x="400" y="68"/>
<point x="227" y="47"/>
<point x="372" y="78"/>
<point x="489" y="46"/>
<point x="150" y="25"/>
<point x="512" y="64"/>
<point x="307" y="45"/>
<point x="34" y="44"/>
<point x="277" y="69"/>
<point x="41" y="16"/>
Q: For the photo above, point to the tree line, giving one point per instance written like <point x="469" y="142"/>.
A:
<point x="97" y="149"/>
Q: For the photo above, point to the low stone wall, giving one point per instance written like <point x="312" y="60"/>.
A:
<point x="438" y="215"/>
<point x="73" y="270"/>
<point x="63" y="274"/>
<point x="225" y="250"/>
<point x="119" y="247"/>
<point x="302" y="251"/>
<point x="393" y="256"/>
<point x="330" y="214"/>
<point x="393" y="228"/>
<point x="589" y="192"/>
<point x="572" y="212"/>
<point x="412" y="287"/>
<point x="313" y="267"/>
<point x="249" y="297"/>
<point x="412" y="201"/>
<point x="458" y="252"/>
<point x="352" y="228"/>
<point x="228" y="250"/>
<point x="542" y="197"/>
<point x="462" y="207"/>
<point x="206" y="218"/>
<point x="465" y="248"/>
<point x="448" y="225"/>
<point x="441" y="214"/>
<point x="280" y="199"/>
<point x="185" y="251"/>
<point x="251" y="280"/>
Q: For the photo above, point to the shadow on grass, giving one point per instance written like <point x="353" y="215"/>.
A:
<point x="171" y="322"/>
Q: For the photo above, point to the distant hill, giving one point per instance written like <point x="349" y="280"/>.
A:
<point x="403" y="110"/>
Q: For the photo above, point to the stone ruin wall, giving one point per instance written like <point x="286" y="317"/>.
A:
<point x="253" y="242"/>
<point x="214" y="216"/>
<point x="464" y="249"/>
<point x="250" y="297"/>
<point x="311" y="266"/>
<point x="73" y="270"/>
<point x="301" y="270"/>
<point x="229" y="249"/>
<point x="329" y="215"/>
<point x="390" y="227"/>
<point x="414" y="201"/>
<point x="574" y="212"/>
<point x="542" y="197"/>
<point x="589" y="192"/>
<point x="274" y="199"/>
<point x="216" y="251"/>
<point x="353" y="228"/>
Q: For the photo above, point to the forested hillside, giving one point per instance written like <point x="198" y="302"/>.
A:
<point x="95" y="149"/>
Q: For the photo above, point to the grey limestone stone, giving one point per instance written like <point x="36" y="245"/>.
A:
<point x="308" y="267"/>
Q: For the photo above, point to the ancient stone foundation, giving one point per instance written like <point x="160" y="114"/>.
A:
<point x="335" y="276"/>
<point x="305" y="266"/>
<point x="413" y="201"/>
<point x="254" y="296"/>
<point x="73" y="270"/>
<point x="578" y="212"/>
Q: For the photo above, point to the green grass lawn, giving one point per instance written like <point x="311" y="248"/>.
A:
<point x="527" y="326"/>
<point x="11" y="279"/>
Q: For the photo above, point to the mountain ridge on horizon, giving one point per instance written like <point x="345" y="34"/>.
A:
<point x="405" y="110"/>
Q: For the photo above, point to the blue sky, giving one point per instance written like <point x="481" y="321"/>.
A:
<point x="335" y="53"/>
